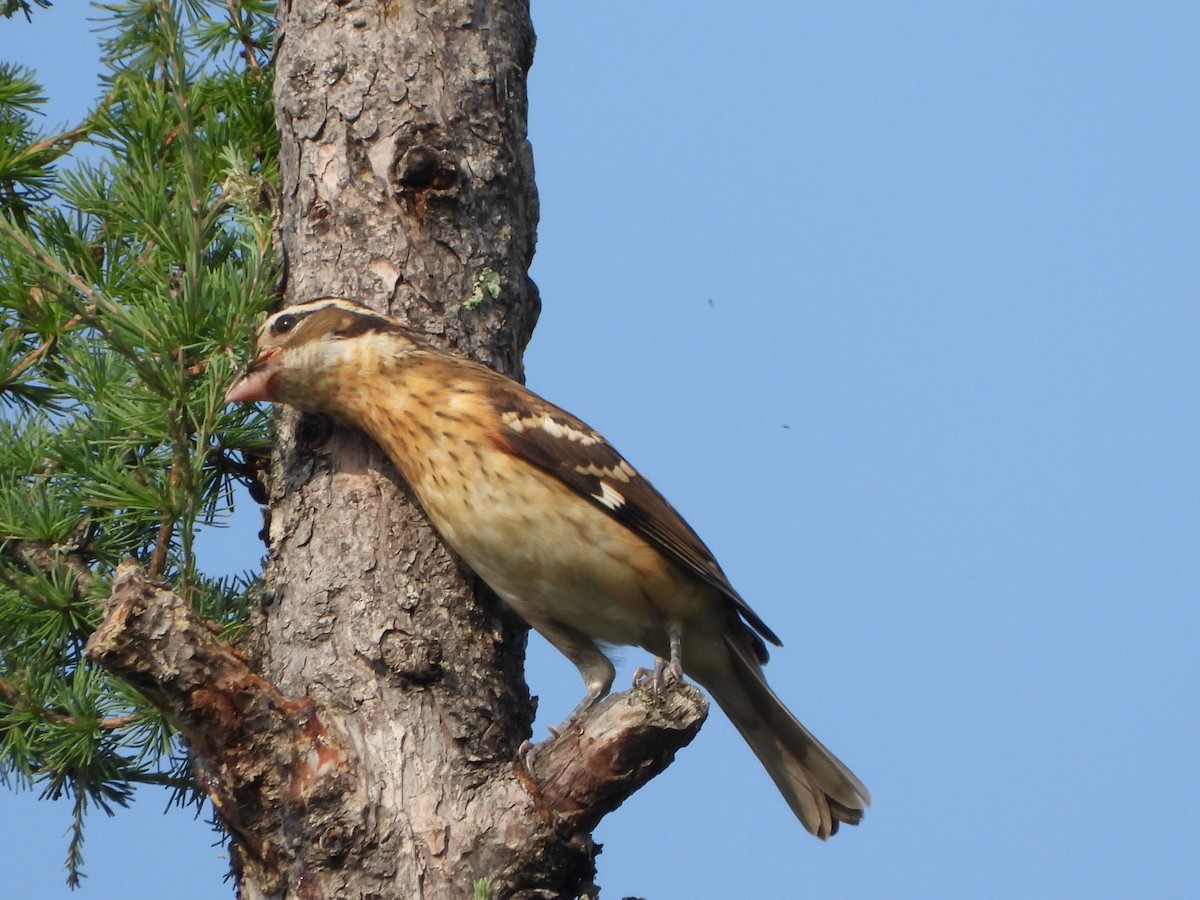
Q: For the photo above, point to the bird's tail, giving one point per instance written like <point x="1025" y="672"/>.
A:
<point x="818" y="787"/>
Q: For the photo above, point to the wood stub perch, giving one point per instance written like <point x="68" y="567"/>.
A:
<point x="268" y="763"/>
<point x="591" y="768"/>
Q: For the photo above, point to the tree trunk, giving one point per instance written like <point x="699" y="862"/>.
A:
<point x="402" y="144"/>
<point x="407" y="184"/>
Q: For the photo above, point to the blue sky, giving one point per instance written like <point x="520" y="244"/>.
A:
<point x="898" y="304"/>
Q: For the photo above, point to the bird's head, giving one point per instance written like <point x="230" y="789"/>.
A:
<point x="309" y="351"/>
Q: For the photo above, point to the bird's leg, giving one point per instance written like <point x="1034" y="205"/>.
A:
<point x="596" y="690"/>
<point x="598" y="683"/>
<point x="596" y="668"/>
<point x="597" y="672"/>
<point x="675" y="666"/>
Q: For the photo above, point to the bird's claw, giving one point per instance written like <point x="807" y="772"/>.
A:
<point x="528" y="749"/>
<point x="664" y="675"/>
<point x="526" y="753"/>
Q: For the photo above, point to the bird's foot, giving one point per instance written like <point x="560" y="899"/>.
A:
<point x="665" y="674"/>
<point x="528" y="749"/>
<point x="593" y="697"/>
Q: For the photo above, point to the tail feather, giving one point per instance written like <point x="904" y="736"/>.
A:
<point x="819" y="788"/>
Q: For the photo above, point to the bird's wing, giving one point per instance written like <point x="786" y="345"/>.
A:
<point x="563" y="446"/>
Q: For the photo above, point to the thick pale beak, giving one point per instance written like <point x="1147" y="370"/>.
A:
<point x="256" y="383"/>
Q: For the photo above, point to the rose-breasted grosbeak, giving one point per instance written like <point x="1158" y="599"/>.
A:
<point x="553" y="519"/>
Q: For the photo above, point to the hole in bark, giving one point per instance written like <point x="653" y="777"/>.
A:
<point x="443" y="179"/>
<point x="418" y="167"/>
<point x="422" y="168"/>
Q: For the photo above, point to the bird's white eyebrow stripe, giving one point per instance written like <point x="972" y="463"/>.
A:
<point x="309" y="307"/>
<point x="313" y="306"/>
<point x="359" y="320"/>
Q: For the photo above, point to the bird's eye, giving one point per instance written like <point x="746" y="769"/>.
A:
<point x="284" y="324"/>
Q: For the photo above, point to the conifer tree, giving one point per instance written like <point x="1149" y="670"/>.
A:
<point x="134" y="250"/>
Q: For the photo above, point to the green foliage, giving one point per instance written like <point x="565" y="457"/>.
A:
<point x="130" y="279"/>
<point x="24" y="162"/>
<point x="9" y="8"/>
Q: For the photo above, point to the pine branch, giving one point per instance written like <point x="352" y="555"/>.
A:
<point x="47" y="558"/>
<point x="262" y="756"/>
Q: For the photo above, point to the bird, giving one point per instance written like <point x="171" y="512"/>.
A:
<point x="556" y="521"/>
